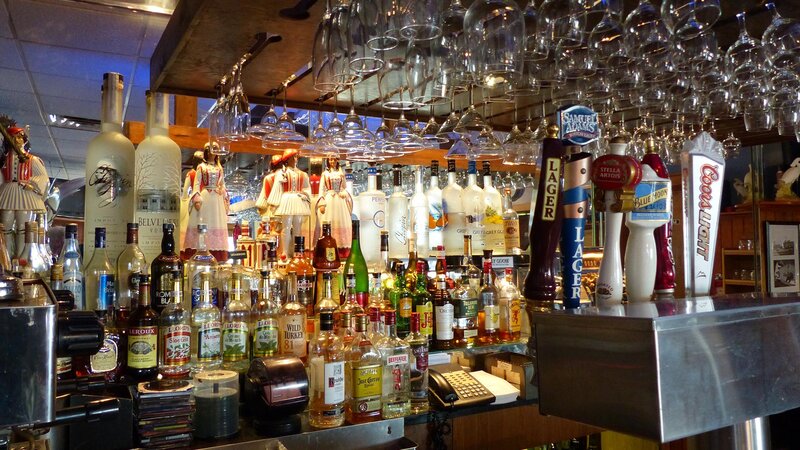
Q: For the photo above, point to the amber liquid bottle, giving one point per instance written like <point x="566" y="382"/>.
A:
<point x="326" y="258"/>
<point x="143" y="336"/>
<point x="443" y="309"/>
<point x="304" y="269"/>
<point x="162" y="267"/>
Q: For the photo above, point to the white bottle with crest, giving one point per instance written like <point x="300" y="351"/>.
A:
<point x="398" y="218"/>
<point x="419" y="216"/>
<point x="372" y="215"/>
<point x="455" y="222"/>
<point x="493" y="237"/>
<point x="474" y="207"/>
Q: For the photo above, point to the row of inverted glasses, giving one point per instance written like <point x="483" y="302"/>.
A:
<point x="229" y="118"/>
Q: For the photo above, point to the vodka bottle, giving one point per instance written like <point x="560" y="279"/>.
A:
<point x="201" y="262"/>
<point x="100" y="276"/>
<point x="419" y="216"/>
<point x="371" y="214"/>
<point x="455" y="222"/>
<point x="398" y="219"/>
<point x="419" y="366"/>
<point x="326" y="377"/>
<point x="235" y="327"/>
<point x="436" y="218"/>
<point x="396" y="356"/>
<point x="264" y="321"/>
<point x="130" y="264"/>
<point x="206" y="336"/>
<point x="73" y="270"/>
<point x="494" y="237"/>
<point x="158" y="177"/>
<point x="474" y="207"/>
<point x="109" y="197"/>
<point x="174" y="333"/>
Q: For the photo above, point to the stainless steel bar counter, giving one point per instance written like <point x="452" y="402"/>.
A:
<point x="673" y="368"/>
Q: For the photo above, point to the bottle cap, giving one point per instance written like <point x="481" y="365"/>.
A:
<point x="487" y="254"/>
<point x="133" y="226"/>
<point x="472" y="167"/>
<point x="415" y="322"/>
<point x="487" y="168"/>
<point x="361" y="323"/>
<point x="389" y="317"/>
<point x="326" y="320"/>
<point x="374" y="314"/>
<point x="299" y="241"/>
<point x="168" y="227"/>
<point x="237" y="255"/>
<point x="345" y="319"/>
<point x="451" y="165"/>
<point x="71" y="229"/>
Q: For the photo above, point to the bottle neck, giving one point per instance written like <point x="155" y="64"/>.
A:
<point x="472" y="179"/>
<point x="177" y="291"/>
<point x="487" y="182"/>
<point x="326" y="230"/>
<point x="71" y="245"/>
<point x="201" y="242"/>
<point x="328" y="288"/>
<point x="144" y="295"/>
<point x="168" y="243"/>
<point x="372" y="182"/>
<point x="451" y="178"/>
<point x="111" y="119"/>
<point x="265" y="294"/>
<point x="390" y="330"/>
<point x="418" y="181"/>
<point x="157" y="114"/>
<point x="133" y="237"/>
<point x="467" y="249"/>
<point x="434" y="182"/>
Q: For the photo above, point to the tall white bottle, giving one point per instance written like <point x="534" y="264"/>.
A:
<point x="419" y="216"/>
<point x="455" y="222"/>
<point x="435" y="209"/>
<point x="158" y="177"/>
<point x="472" y="199"/>
<point x="372" y="217"/>
<point x="493" y="235"/>
<point x="397" y="217"/>
<point x="109" y="198"/>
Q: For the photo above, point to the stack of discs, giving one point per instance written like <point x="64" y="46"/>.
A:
<point x="163" y="412"/>
<point x="216" y="397"/>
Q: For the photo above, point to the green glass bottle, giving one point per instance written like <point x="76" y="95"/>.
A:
<point x="402" y="301"/>
<point x="423" y="303"/>
<point x="359" y="264"/>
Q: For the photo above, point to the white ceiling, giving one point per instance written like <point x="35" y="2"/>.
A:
<point x="52" y="58"/>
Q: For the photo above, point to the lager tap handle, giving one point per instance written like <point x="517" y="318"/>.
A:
<point x="576" y="204"/>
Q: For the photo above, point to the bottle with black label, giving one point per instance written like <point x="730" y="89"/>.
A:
<point x="143" y="336"/>
<point x="162" y="268"/>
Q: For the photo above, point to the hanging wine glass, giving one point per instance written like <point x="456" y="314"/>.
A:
<point x="285" y="129"/>
<point x="364" y="16"/>
<point x="688" y="18"/>
<point x="266" y="125"/>
<point x="561" y="22"/>
<point x="447" y="130"/>
<point x="417" y="19"/>
<point x="403" y="138"/>
<point x="496" y="33"/>
<point x="745" y="59"/>
<point x="430" y="133"/>
<point x="645" y="31"/>
<point x="731" y="146"/>
<point x="781" y="40"/>
<point x="239" y="108"/>
<point x="606" y="42"/>
<point x="471" y="123"/>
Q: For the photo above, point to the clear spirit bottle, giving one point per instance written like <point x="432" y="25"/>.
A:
<point x="494" y="235"/>
<point x="130" y="264"/>
<point x="436" y="217"/>
<point x="397" y="217"/>
<point x="372" y="215"/>
<point x="488" y="308"/>
<point x="31" y="259"/>
<point x="455" y="223"/>
<point x="419" y="216"/>
<point x="364" y="378"/>
<point x="419" y="367"/>
<point x="444" y="311"/>
<point x="206" y="329"/>
<point x="201" y="262"/>
<point x="510" y="225"/>
<point x="100" y="276"/>
<point x="396" y="356"/>
<point x="350" y="304"/>
<point x="175" y="333"/>
<point x="264" y="321"/>
<point x="70" y="259"/>
<point x="236" y="327"/>
<point x="474" y="207"/>
<point x="326" y="369"/>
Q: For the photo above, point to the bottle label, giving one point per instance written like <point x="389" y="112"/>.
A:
<point x="143" y="347"/>
<point x="515" y="316"/>
<point x="293" y="335"/>
<point x="444" y="322"/>
<point x="494" y="231"/>
<point x="208" y="342"/>
<point x="162" y="298"/>
<point x="492" y="317"/>
<point x="63" y="365"/>
<point x="305" y="289"/>
<point x="395" y="380"/>
<point x="469" y="308"/>
<point x="425" y="311"/>
<point x="471" y="332"/>
<point x="176" y="344"/>
<point x="265" y="338"/>
<point x="436" y="218"/>
<point x="197" y="292"/>
<point x="367" y="387"/>
<point x="105" y="359"/>
<point x="420" y="353"/>
<point x="651" y="201"/>
<point x="511" y="229"/>
<point x="75" y="286"/>
<point x="334" y="382"/>
<point x="330" y="254"/>
<point x="133" y="284"/>
<point x="406" y="303"/>
<point x="106" y="289"/>
<point x="234" y="341"/>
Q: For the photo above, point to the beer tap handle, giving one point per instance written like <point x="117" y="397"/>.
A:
<point x="576" y="205"/>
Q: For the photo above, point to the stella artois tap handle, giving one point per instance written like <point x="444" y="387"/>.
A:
<point x="665" y="261"/>
<point x="615" y="177"/>
<point x="576" y="206"/>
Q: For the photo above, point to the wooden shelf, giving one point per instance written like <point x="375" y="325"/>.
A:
<point x="739" y="282"/>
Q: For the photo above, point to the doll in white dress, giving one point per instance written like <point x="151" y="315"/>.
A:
<point x="335" y="204"/>
<point x="208" y="204"/>
<point x="295" y="200"/>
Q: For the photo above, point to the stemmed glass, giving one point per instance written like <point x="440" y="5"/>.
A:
<point x="496" y="33"/>
<point x="285" y="129"/>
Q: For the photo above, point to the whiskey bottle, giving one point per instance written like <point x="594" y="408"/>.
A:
<point x="364" y="376"/>
<point x="455" y="222"/>
<point x="174" y="333"/>
<point x="350" y="304"/>
<point x="326" y="377"/>
<point x="510" y="309"/>
<point x="130" y="264"/>
<point x="372" y="215"/>
<point x="70" y="259"/>
<point x="488" y="308"/>
<point x="510" y="225"/>
<point x="292" y="324"/>
<point x="235" y="328"/>
<point x="397" y="217"/>
<point x="201" y="262"/>
<point x="143" y="336"/>
<point x="264" y="321"/>
<point x="444" y="311"/>
<point x="100" y="276"/>
<point x="327" y="302"/>
<point x="108" y="361"/>
<point x="162" y="269"/>
<point x="419" y="367"/>
<point x="206" y="329"/>
<point x="396" y="356"/>
<point x="423" y="304"/>
<point x="357" y="263"/>
<point x="31" y="259"/>
<point x="494" y="236"/>
<point x="301" y="265"/>
<point x="419" y="216"/>
<point x="474" y="208"/>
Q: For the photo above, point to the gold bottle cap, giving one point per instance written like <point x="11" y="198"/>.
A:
<point x="552" y="131"/>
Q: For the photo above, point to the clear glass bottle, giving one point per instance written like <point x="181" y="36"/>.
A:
<point x="206" y="343"/>
<point x="70" y="259"/>
<point x="236" y="327"/>
<point x="201" y="262"/>
<point x="396" y="356"/>
<point x="301" y="265"/>
<point x="455" y="220"/>
<point x="350" y="303"/>
<point x="387" y="274"/>
<point x="175" y="333"/>
<point x="474" y="207"/>
<point x="419" y="216"/>
<point x="364" y="376"/>
<point x="436" y="217"/>
<point x="345" y="329"/>
<point x="277" y="278"/>
<point x="130" y="264"/>
<point x="444" y="311"/>
<point x="493" y="233"/>
<point x="41" y="241"/>
<point x="162" y="268"/>
<point x="401" y="299"/>
<point x="100" y="276"/>
<point x="142" y="346"/>
<point x="327" y="302"/>
<point x="264" y="321"/>
<point x="109" y="197"/>
<point x="326" y="367"/>
<point x="397" y="217"/>
<point x="488" y="308"/>
<point x="509" y="302"/>
<point x="32" y="261"/>
<point x="419" y="366"/>
<point x="372" y="217"/>
<point x="57" y="277"/>
<point x="510" y="225"/>
<point x="292" y="324"/>
<point x="423" y="304"/>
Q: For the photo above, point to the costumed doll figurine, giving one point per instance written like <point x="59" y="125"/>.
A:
<point x="24" y="186"/>
<point x="186" y="194"/>
<point x="208" y="204"/>
<point x="334" y="204"/>
<point x="291" y="186"/>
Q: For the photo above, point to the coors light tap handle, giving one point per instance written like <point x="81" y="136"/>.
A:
<point x="576" y="205"/>
<point x="702" y="170"/>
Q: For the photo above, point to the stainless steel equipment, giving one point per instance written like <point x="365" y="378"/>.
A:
<point x="674" y="368"/>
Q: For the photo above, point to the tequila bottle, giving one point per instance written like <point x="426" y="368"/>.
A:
<point x="292" y="324"/>
<point x="397" y="217"/>
<point x="264" y="321"/>
<point x="326" y="377"/>
<point x="100" y="276"/>
<point x="494" y="235"/>
<point x="130" y="264"/>
<point x="372" y="215"/>
<point x="510" y="309"/>
<point x="206" y="329"/>
<point x="488" y="307"/>
<point x="143" y="336"/>
<point x="419" y="216"/>
<point x="455" y="222"/>
<point x="364" y="376"/>
<point x="474" y="208"/>
<point x="436" y="217"/>
<point x="419" y="366"/>
<point x="236" y="327"/>
<point x="174" y="332"/>
<point x="71" y="261"/>
<point x="396" y="356"/>
<point x="201" y="262"/>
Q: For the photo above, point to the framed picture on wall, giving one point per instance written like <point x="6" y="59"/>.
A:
<point x="782" y="257"/>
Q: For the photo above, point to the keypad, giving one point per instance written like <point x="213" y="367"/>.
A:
<point x="465" y="385"/>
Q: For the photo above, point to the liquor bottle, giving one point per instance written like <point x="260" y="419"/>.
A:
<point x="327" y="302"/>
<point x="292" y="324"/>
<point x="375" y="331"/>
<point x="70" y="259"/>
<point x="358" y="264"/>
<point x="174" y="333"/>
<point x="108" y="361"/>
<point x="301" y="265"/>
<point x="326" y="258"/>
<point x="162" y="268"/>
<point x="236" y="327"/>
<point x="436" y="217"/>
<point x="510" y="225"/>
<point x="57" y="277"/>
<point x="488" y="309"/>
<point x="418" y="207"/>
<point x="130" y="264"/>
<point x="397" y="216"/>
<point x="364" y="376"/>
<point x="277" y="277"/>
<point x="444" y="311"/>
<point x="469" y="271"/>
<point x="41" y="242"/>
<point x="375" y="290"/>
<point x="201" y="262"/>
<point x="206" y="329"/>
<point x="350" y="303"/>
<point x="345" y="329"/>
<point x="326" y="377"/>
<point x="418" y="344"/>
<point x="264" y="321"/>
<point x="465" y="297"/>
<point x="372" y="215"/>
<point x="158" y="177"/>
<point x="396" y="357"/>
<point x="474" y="207"/>
<point x="143" y="336"/>
<point x="455" y="222"/>
<point x="401" y="300"/>
<point x="423" y="304"/>
<point x="100" y="276"/>
<point x="494" y="235"/>
<point x="510" y="309"/>
<point x="109" y="198"/>
<point x="410" y="274"/>
<point x="32" y="261"/>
